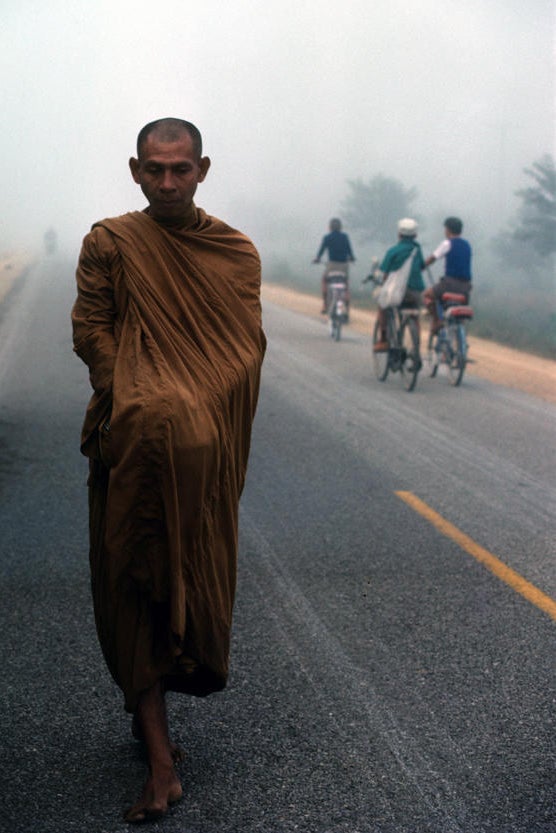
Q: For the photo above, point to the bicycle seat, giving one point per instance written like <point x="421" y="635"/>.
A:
<point x="453" y="298"/>
<point x="461" y="312"/>
<point x="337" y="276"/>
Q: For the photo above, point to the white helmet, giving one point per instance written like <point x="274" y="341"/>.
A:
<point x="407" y="227"/>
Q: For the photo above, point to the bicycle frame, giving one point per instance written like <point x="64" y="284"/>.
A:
<point x="337" y="305"/>
<point x="402" y="333"/>
<point x="394" y="335"/>
<point x="403" y="354"/>
<point x="449" y="345"/>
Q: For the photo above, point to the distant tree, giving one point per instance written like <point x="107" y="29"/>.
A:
<point x="536" y="222"/>
<point x="528" y="244"/>
<point x="373" y="209"/>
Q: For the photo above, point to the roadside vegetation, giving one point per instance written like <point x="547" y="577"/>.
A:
<point x="514" y="295"/>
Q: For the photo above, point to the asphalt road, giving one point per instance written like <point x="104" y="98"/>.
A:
<point x="383" y="679"/>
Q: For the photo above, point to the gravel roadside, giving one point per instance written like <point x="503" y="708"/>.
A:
<point x="12" y="267"/>
<point x="490" y="360"/>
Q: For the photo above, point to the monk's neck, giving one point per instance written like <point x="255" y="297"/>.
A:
<point x="177" y="223"/>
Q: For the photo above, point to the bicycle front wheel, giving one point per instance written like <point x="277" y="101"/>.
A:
<point x="380" y="360"/>
<point x="411" y="357"/>
<point x="456" y="364"/>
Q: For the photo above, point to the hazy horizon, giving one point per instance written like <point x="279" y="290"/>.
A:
<point x="293" y="100"/>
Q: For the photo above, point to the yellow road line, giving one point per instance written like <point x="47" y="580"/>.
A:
<point x="491" y="562"/>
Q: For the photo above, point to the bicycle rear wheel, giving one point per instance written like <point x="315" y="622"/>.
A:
<point x="411" y="359"/>
<point x="380" y="360"/>
<point x="431" y="360"/>
<point x="456" y="364"/>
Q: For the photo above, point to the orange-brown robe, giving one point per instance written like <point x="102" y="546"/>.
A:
<point x="169" y="323"/>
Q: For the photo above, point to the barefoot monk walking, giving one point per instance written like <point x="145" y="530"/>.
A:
<point x="168" y="320"/>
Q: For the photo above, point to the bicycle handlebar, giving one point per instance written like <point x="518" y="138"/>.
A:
<point x="374" y="279"/>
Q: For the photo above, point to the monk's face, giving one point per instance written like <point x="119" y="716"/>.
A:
<point x="168" y="173"/>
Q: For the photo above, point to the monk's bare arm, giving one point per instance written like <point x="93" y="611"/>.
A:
<point x="94" y="312"/>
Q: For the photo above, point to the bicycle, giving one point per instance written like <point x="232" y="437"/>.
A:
<point x="448" y="346"/>
<point x="402" y="334"/>
<point x="337" y="308"/>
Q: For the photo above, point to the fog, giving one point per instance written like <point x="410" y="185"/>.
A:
<point x="293" y="99"/>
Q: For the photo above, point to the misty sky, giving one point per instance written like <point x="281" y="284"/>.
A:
<point x="293" y="99"/>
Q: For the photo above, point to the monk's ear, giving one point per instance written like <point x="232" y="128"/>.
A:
<point x="134" y="168"/>
<point x="204" y="165"/>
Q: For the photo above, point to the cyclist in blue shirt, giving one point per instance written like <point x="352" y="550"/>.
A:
<point x="338" y="245"/>
<point x="457" y="269"/>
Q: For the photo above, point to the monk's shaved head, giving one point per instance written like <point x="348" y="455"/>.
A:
<point x="170" y="130"/>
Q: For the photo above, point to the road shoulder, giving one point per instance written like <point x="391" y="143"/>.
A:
<point x="12" y="267"/>
<point x="491" y="361"/>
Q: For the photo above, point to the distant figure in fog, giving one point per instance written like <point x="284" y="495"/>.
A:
<point x="457" y="269"/>
<point x="168" y="320"/>
<point x="338" y="246"/>
<point x="50" y="241"/>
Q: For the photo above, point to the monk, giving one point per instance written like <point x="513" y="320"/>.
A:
<point x="168" y="320"/>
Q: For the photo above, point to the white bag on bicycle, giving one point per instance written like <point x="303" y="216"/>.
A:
<point x="393" y="289"/>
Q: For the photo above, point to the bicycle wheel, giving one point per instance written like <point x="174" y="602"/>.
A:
<point x="411" y="359"/>
<point x="336" y="328"/>
<point x="431" y="361"/>
<point x="456" y="364"/>
<point x="380" y="360"/>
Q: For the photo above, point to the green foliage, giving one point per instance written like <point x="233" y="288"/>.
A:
<point x="524" y="320"/>
<point x="523" y="262"/>
<point x="278" y="270"/>
<point x="373" y="209"/>
<point x="528" y="245"/>
<point x="537" y="216"/>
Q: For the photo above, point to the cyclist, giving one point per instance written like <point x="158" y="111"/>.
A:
<point x="457" y="270"/>
<point x="338" y="245"/>
<point x="394" y="258"/>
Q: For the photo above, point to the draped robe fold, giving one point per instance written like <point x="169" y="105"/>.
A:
<point x="169" y="324"/>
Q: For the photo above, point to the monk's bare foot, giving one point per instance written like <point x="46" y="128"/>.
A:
<point x="176" y="751"/>
<point x="162" y="787"/>
<point x="159" y="793"/>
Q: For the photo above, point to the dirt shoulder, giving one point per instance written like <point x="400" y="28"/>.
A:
<point x="12" y="267"/>
<point x="494" y="362"/>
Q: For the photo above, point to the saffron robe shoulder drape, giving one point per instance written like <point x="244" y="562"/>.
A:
<point x="169" y="324"/>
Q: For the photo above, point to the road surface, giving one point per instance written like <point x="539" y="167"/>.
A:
<point x="393" y="655"/>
